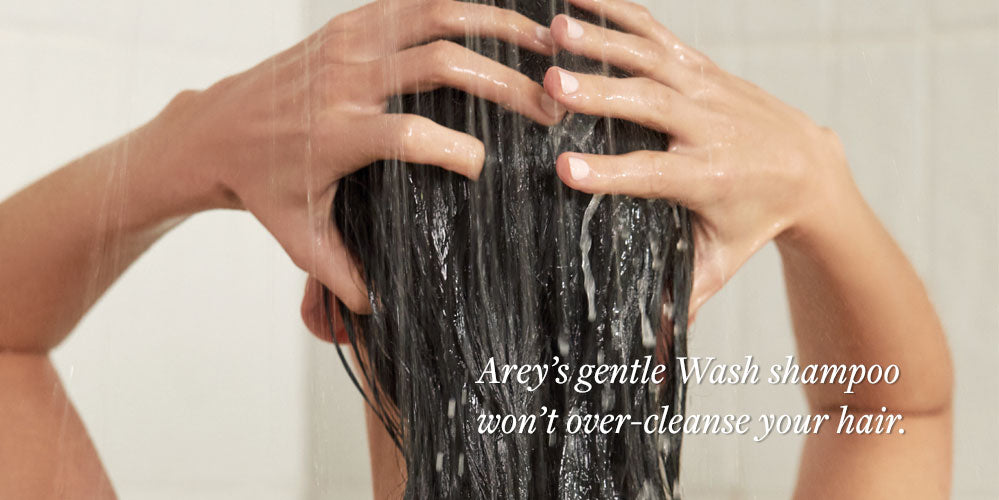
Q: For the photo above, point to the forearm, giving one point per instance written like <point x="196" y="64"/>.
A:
<point x="67" y="237"/>
<point x="44" y="447"/>
<point x="855" y="299"/>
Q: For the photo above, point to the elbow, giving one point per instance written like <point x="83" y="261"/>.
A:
<point x="28" y="344"/>
<point x="936" y="382"/>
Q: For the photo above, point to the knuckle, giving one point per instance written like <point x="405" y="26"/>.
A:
<point x="691" y="58"/>
<point x="831" y="136"/>
<point x="641" y="12"/>
<point x="721" y="182"/>
<point x="833" y="144"/>
<point x="355" y="301"/>
<point x="337" y="76"/>
<point x="638" y="157"/>
<point x="704" y="63"/>
<point x="646" y="16"/>
<point x="407" y="131"/>
<point x="652" y="159"/>
<point x="508" y="17"/>
<point x="298" y="258"/>
<point x="441" y="54"/>
<point x="336" y="45"/>
<point x="662" y="99"/>
<point x="713" y="281"/>
<point x="690" y="61"/>
<point x="328" y="48"/>
<point x="647" y="56"/>
<point x="442" y="51"/>
<point x="441" y="13"/>
<point x="336" y="24"/>
<point x="655" y="158"/>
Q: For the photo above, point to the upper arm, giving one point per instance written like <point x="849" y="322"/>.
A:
<point x="45" y="450"/>
<point x="916" y="464"/>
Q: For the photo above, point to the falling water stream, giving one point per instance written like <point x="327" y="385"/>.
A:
<point x="516" y="269"/>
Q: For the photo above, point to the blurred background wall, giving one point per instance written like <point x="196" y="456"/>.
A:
<point x="197" y="379"/>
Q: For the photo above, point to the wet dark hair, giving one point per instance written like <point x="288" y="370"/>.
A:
<point x="460" y="272"/>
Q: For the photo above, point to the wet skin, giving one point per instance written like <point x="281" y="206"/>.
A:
<point x="275" y="140"/>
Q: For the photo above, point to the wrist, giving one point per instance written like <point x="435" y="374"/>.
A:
<point x="179" y="160"/>
<point x="834" y="210"/>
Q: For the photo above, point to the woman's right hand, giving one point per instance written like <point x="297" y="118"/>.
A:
<point x="276" y="139"/>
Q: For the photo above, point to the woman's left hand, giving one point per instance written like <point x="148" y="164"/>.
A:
<point x="749" y="166"/>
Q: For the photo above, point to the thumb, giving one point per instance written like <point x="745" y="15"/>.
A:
<point x="335" y="267"/>
<point x="709" y="276"/>
<point x="314" y="310"/>
<point x="316" y="247"/>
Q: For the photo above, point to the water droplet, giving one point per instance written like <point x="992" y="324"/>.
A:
<point x="668" y="309"/>
<point x="607" y="399"/>
<point x="585" y="242"/>
<point x="648" y="336"/>
<point x="563" y="344"/>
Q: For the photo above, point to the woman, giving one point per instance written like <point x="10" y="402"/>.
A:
<point x="751" y="168"/>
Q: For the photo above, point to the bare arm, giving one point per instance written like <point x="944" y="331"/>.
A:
<point x="273" y="140"/>
<point x="70" y="235"/>
<point x="755" y="170"/>
<point x="44" y="447"/>
<point x="855" y="299"/>
<point x="66" y="239"/>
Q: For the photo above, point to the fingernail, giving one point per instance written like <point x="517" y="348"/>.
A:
<point x="544" y="36"/>
<point x="550" y="106"/>
<point x="569" y="83"/>
<point x="578" y="168"/>
<point x="573" y="29"/>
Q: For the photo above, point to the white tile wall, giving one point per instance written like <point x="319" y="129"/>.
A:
<point x="964" y="151"/>
<point x="965" y="14"/>
<point x="785" y="21"/>
<point x="715" y="21"/>
<point x="338" y="445"/>
<point x="878" y="110"/>
<point x="854" y="19"/>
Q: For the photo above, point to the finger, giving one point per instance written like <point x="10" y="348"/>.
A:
<point x="709" y="276"/>
<point x="331" y="263"/>
<point x="314" y="313"/>
<point x="640" y="100"/>
<point x="447" y="64"/>
<point x="416" y="139"/>
<point x="337" y="269"/>
<point x="699" y="295"/>
<point x="642" y="174"/>
<point x="448" y="19"/>
<point x="634" y="54"/>
<point x="315" y="246"/>
<point x="380" y="29"/>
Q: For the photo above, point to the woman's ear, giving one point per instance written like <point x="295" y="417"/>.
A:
<point x="314" y="313"/>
